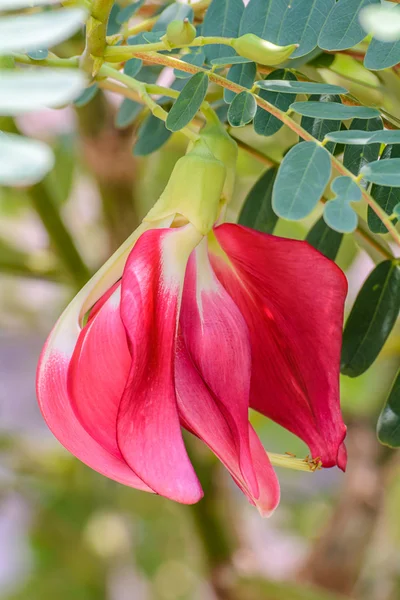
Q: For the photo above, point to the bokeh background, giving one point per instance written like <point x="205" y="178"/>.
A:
<point x="68" y="533"/>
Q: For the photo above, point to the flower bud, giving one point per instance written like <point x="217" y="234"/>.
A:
<point x="260" y="51"/>
<point x="194" y="189"/>
<point x="224" y="147"/>
<point x="180" y="33"/>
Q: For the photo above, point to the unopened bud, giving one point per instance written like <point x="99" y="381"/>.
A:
<point x="224" y="147"/>
<point x="180" y="33"/>
<point x="260" y="51"/>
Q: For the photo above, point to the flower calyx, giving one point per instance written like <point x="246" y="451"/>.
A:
<point x="179" y="33"/>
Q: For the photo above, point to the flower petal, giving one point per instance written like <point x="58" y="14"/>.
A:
<point x="292" y="298"/>
<point x="202" y="415"/>
<point x="148" y="428"/>
<point x="217" y="340"/>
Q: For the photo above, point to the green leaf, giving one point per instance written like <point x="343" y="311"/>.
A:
<point x="372" y="318"/>
<point x="126" y="13"/>
<point x="264" y="18"/>
<point x="301" y="180"/>
<point x="299" y="87"/>
<point x="113" y="26"/>
<point x="333" y="110"/>
<point x="265" y="123"/>
<point x="127" y="113"/>
<point x="188" y="102"/>
<point x="197" y="57"/>
<point x="257" y="210"/>
<point x="242" y="74"/>
<point x="222" y="19"/>
<point x="338" y="213"/>
<point x="320" y="127"/>
<point x="386" y="197"/>
<point x="151" y="136"/>
<point x="24" y="161"/>
<point x="359" y="137"/>
<point x="29" y="90"/>
<point x="38" y="54"/>
<point x="133" y="66"/>
<point x="355" y="157"/>
<point x="324" y="239"/>
<point x="302" y="24"/>
<point x="173" y="12"/>
<point x="382" y="55"/>
<point x="382" y="21"/>
<point x="87" y="95"/>
<point x="383" y="172"/>
<point x="242" y="109"/>
<point x="229" y="60"/>
<point x="342" y="28"/>
<point x="39" y="30"/>
<point x="388" y="428"/>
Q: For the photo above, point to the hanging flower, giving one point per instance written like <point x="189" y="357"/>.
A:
<point x="188" y="325"/>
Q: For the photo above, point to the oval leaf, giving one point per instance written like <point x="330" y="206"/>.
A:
<point x="301" y="180"/>
<point x="333" y="110"/>
<point x="383" y="172"/>
<point x="126" y="13"/>
<point x="257" y="210"/>
<point x="132" y="67"/>
<point x="265" y="123"/>
<point x="355" y="157"/>
<point x="320" y="127"/>
<point x="151" y="136"/>
<point x="39" y="30"/>
<point x="127" y="113"/>
<point x="229" y="60"/>
<point x="242" y="109"/>
<point x="242" y="74"/>
<point x="388" y="428"/>
<point x="302" y="24"/>
<point x="342" y="29"/>
<point x="382" y="55"/>
<point x="188" y="102"/>
<point x="29" y="90"/>
<point x="23" y="161"/>
<point x="87" y="95"/>
<point x="324" y="239"/>
<point x="372" y="318"/>
<point x="222" y="19"/>
<point x="299" y="87"/>
<point x="386" y="197"/>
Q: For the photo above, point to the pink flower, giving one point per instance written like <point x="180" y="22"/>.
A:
<point x="189" y="330"/>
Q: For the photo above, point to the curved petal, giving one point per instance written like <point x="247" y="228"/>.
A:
<point x="292" y="298"/>
<point x="148" y="427"/>
<point x="98" y="372"/>
<point x="217" y="340"/>
<point x="202" y="416"/>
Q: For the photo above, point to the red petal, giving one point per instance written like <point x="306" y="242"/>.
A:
<point x="292" y="298"/>
<point x="217" y="340"/>
<point x="98" y="372"/>
<point x="203" y="417"/>
<point x="149" y="433"/>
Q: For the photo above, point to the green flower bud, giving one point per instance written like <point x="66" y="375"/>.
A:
<point x="194" y="189"/>
<point x="180" y="33"/>
<point x="260" y="51"/>
<point x="225" y="149"/>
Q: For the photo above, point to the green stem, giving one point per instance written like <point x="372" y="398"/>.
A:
<point x="51" y="61"/>
<point x="96" y="31"/>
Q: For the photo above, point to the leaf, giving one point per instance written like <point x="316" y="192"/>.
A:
<point x="265" y="123"/>
<point x="383" y="172"/>
<point x="151" y="136"/>
<point x="333" y="110"/>
<point x="386" y="197"/>
<point x="264" y="18"/>
<point x="194" y="58"/>
<point x="242" y="74"/>
<point x="127" y="113"/>
<point x="126" y="13"/>
<point x="301" y="180"/>
<point x="382" y="21"/>
<point x="173" y="12"/>
<point x="23" y="161"/>
<point x="39" y="30"/>
<point x="257" y="210"/>
<point x="302" y="24"/>
<point x="320" y="127"/>
<point x="355" y="157"/>
<point x="382" y="55"/>
<point x="86" y="96"/>
<point x="338" y="213"/>
<point x="388" y="428"/>
<point x="29" y="90"/>
<point x="342" y="28"/>
<point x="324" y="239"/>
<point x="188" y="102"/>
<point x="133" y="66"/>
<point x="229" y="60"/>
<point x="38" y="54"/>
<point x="372" y="318"/>
<point x="113" y="26"/>
<point x="222" y="19"/>
<point x="299" y="87"/>
<point x="242" y="109"/>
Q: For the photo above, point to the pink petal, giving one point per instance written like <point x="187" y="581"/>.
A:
<point x="148" y="429"/>
<point x="217" y="340"/>
<point x="99" y="370"/>
<point x="202" y="415"/>
<point x="292" y="298"/>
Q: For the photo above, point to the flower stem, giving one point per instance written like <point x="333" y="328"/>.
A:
<point x="51" y="61"/>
